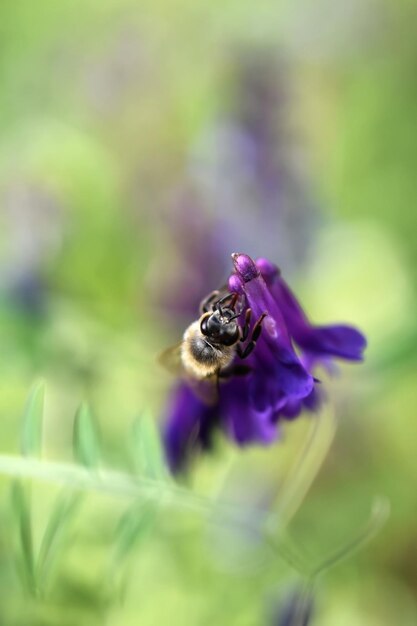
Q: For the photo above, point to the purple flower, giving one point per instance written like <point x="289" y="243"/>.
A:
<point x="297" y="609"/>
<point x="279" y="382"/>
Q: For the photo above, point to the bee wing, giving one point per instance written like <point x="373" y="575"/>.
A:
<point x="170" y="359"/>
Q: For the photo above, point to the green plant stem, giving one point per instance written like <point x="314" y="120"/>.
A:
<point x="306" y="466"/>
<point x="114" y="483"/>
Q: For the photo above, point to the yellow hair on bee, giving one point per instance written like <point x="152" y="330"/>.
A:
<point x="201" y="358"/>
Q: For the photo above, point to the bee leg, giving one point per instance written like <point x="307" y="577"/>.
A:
<point x="256" y="331"/>
<point x="233" y="299"/>
<point x="234" y="370"/>
<point x="245" y="329"/>
<point x="208" y="302"/>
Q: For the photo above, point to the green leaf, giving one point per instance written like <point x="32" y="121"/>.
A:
<point x="85" y="439"/>
<point x="62" y="515"/>
<point x="133" y="527"/>
<point x="21" y="506"/>
<point x="31" y="438"/>
<point x="134" y="524"/>
<point x="147" y="450"/>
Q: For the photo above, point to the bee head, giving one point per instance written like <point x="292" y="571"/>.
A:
<point x="221" y="326"/>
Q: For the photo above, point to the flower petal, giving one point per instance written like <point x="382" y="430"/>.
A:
<point x="293" y="408"/>
<point x="189" y="426"/>
<point x="274" y="349"/>
<point x="339" y="340"/>
<point x="245" y="422"/>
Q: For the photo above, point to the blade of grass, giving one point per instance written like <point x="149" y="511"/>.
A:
<point x="31" y="437"/>
<point x="66" y="506"/>
<point x="85" y="438"/>
<point x="146" y="449"/>
<point x="22" y="509"/>
<point x="134" y="524"/>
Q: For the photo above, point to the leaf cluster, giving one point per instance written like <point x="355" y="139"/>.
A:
<point x="36" y="563"/>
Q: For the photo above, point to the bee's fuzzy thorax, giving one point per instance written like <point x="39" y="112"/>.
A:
<point x="201" y="358"/>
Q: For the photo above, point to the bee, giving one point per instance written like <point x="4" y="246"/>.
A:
<point x="211" y="343"/>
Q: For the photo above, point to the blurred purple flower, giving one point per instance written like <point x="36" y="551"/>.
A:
<point x="245" y="171"/>
<point x="280" y="382"/>
<point x="200" y="243"/>
<point x="34" y="225"/>
<point x="297" y="609"/>
<point x="250" y="160"/>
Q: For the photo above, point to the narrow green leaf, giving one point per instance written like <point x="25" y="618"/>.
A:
<point x="31" y="438"/>
<point x="21" y="505"/>
<point x="134" y="524"/>
<point x="147" y="450"/>
<point x="54" y="536"/>
<point x="85" y="439"/>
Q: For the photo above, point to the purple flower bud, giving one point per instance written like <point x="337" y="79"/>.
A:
<point x="245" y="267"/>
<point x="235" y="284"/>
<point x="268" y="270"/>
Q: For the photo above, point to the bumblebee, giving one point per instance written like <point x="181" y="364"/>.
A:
<point x="211" y="343"/>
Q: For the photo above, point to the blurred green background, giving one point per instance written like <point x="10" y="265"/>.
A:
<point x="142" y="143"/>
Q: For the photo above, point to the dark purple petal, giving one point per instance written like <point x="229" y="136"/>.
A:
<point x="260" y="301"/>
<point x="338" y="340"/>
<point x="291" y="309"/>
<point x="244" y="421"/>
<point x="189" y="425"/>
<point x="265" y="393"/>
<point x="274" y="349"/>
<point x="293" y="408"/>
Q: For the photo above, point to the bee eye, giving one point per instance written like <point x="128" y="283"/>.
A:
<point x="213" y="324"/>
